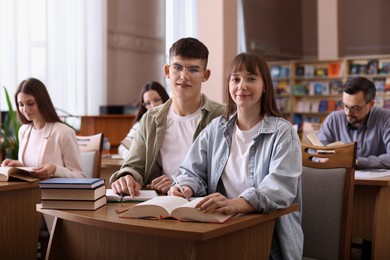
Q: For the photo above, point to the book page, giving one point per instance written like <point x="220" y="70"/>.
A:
<point x="313" y="139"/>
<point x="158" y="207"/>
<point x="144" y="195"/>
<point x="112" y="196"/>
<point x="21" y="173"/>
<point x="371" y="173"/>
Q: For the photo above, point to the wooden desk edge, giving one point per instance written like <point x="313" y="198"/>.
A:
<point x="6" y="186"/>
<point x="202" y="232"/>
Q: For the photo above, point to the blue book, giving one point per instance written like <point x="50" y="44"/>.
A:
<point x="71" y="183"/>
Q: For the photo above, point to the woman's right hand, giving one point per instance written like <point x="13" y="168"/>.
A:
<point x="11" y="163"/>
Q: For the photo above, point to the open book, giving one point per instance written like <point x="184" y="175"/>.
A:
<point x="313" y="139"/>
<point x="143" y="196"/>
<point x="173" y="207"/>
<point x="17" y="173"/>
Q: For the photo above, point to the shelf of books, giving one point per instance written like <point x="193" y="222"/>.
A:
<point x="280" y="73"/>
<point x="316" y="89"/>
<point x="375" y="68"/>
<point x="308" y="90"/>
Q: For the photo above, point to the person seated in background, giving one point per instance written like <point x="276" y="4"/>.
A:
<point x="153" y="94"/>
<point x="361" y="121"/>
<point x="246" y="161"/>
<point x="166" y="132"/>
<point x="45" y="142"/>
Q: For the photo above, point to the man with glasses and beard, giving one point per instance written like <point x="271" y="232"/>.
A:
<point x="362" y="122"/>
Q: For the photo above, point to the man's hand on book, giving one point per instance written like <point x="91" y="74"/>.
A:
<point x="161" y="184"/>
<point x="126" y="185"/>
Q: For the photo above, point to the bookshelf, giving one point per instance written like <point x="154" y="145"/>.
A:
<point x="308" y="90"/>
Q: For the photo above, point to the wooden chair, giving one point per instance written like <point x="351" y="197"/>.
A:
<point x="327" y="196"/>
<point x="91" y="154"/>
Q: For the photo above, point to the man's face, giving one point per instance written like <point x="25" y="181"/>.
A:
<point x="186" y="76"/>
<point x="355" y="108"/>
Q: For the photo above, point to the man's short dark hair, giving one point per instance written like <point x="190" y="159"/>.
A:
<point x="356" y="84"/>
<point x="190" y="48"/>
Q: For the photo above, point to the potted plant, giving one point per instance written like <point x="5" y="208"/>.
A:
<point x="9" y="141"/>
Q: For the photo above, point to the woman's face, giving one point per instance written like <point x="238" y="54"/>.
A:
<point x="28" y="107"/>
<point x="246" y="89"/>
<point x="151" y="99"/>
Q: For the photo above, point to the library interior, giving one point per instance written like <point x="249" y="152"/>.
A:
<point x="313" y="50"/>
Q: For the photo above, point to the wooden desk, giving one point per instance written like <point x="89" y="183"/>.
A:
<point x="101" y="234"/>
<point x="19" y="220"/>
<point x="371" y="214"/>
<point x="114" y="127"/>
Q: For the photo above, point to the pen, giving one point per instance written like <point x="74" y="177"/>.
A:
<point x="177" y="184"/>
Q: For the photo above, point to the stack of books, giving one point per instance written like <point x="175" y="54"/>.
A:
<point x="73" y="193"/>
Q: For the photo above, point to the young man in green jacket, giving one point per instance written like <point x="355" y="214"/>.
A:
<point x="166" y="132"/>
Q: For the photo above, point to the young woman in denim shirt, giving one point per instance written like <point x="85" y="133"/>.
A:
<point x="250" y="159"/>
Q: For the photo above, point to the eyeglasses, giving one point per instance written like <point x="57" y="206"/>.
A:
<point x="156" y="101"/>
<point x="194" y="71"/>
<point x="353" y="109"/>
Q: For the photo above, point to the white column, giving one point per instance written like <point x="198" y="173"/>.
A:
<point x="328" y="29"/>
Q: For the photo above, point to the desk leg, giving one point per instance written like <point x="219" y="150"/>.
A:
<point x="371" y="215"/>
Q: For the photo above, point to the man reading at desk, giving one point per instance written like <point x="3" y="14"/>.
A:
<point x="362" y="122"/>
<point x="166" y="132"/>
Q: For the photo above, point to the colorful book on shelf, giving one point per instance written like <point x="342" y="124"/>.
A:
<point x="71" y="183"/>
<point x="17" y="174"/>
<point x="284" y="72"/>
<point x="335" y="87"/>
<point x="144" y="195"/>
<point x="300" y="89"/>
<point x="384" y="66"/>
<point x="309" y="71"/>
<point x="73" y="194"/>
<point x="334" y="69"/>
<point x="321" y="72"/>
<point x="74" y="204"/>
<point x="372" y="66"/>
<point x="163" y="207"/>
<point x="275" y="71"/>
<point x="323" y="106"/>
<point x="379" y="84"/>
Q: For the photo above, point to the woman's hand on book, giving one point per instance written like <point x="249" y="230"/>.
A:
<point x="45" y="171"/>
<point x="11" y="163"/>
<point x="217" y="203"/>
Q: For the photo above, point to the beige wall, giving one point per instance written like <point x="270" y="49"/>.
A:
<point x="277" y="29"/>
<point x="136" y="47"/>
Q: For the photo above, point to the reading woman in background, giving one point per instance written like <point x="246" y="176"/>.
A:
<point x="248" y="160"/>
<point x="153" y="94"/>
<point x="45" y="142"/>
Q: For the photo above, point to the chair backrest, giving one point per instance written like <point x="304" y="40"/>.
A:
<point x="327" y="196"/>
<point x="91" y="154"/>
